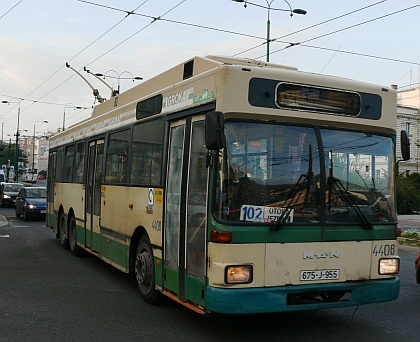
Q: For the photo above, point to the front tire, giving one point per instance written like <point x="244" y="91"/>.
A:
<point x="64" y="241"/>
<point x="145" y="272"/>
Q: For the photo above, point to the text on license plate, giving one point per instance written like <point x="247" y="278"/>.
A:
<point x="319" y="275"/>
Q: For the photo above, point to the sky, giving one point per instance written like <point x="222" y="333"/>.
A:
<point x="367" y="40"/>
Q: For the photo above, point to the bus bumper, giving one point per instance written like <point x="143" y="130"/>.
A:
<point x="288" y="298"/>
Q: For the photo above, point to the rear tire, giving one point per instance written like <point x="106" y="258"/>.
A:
<point x="74" y="248"/>
<point x="144" y="269"/>
<point x="62" y="232"/>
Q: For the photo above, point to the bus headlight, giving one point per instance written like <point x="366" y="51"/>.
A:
<point x="389" y="266"/>
<point x="238" y="274"/>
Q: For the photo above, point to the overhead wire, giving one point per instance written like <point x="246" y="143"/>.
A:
<point x="54" y="73"/>
<point x="137" y="32"/>
<point x="129" y="37"/>
<point x="176" y="21"/>
<point x="343" y="29"/>
<point x="262" y="38"/>
<point x="10" y="9"/>
<point x="160" y="18"/>
<point x="360" y="54"/>
<point x="315" y="25"/>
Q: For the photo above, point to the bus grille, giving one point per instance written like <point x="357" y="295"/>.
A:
<point x="317" y="297"/>
<point x="188" y="69"/>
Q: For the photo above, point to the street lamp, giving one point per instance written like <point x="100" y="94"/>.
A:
<point x="33" y="144"/>
<point x="120" y="78"/>
<point x="268" y="8"/>
<point x="17" y="134"/>
<point x="69" y="105"/>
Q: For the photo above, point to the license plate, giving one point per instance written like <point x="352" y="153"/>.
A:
<point x="43" y="211"/>
<point x="319" y="275"/>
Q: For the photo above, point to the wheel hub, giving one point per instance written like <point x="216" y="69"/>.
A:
<point x="143" y="268"/>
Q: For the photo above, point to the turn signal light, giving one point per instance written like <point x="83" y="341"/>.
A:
<point x="221" y="236"/>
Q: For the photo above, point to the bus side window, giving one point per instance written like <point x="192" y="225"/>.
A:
<point x="146" y="158"/>
<point x="117" y="156"/>
<point x="79" y="162"/>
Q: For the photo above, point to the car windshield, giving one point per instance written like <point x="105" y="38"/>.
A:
<point x="36" y="193"/>
<point x="304" y="174"/>
<point x="12" y="187"/>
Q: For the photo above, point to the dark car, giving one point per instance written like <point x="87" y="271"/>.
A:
<point x="31" y="202"/>
<point x="8" y="193"/>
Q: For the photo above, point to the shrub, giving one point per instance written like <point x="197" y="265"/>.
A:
<point x="411" y="234"/>
<point x="408" y="196"/>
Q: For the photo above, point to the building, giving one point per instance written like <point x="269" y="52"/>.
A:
<point x="409" y="97"/>
<point x="408" y="117"/>
<point x="36" y="151"/>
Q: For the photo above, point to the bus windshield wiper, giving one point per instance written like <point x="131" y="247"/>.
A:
<point x="332" y="181"/>
<point x="292" y="196"/>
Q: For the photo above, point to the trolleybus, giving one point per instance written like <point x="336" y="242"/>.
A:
<point x="233" y="186"/>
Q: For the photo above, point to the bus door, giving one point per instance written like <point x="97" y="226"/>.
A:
<point x="185" y="211"/>
<point x="93" y="194"/>
<point x="51" y="189"/>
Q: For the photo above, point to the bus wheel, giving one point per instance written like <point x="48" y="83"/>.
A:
<point x="145" y="272"/>
<point x="64" y="241"/>
<point x="74" y="248"/>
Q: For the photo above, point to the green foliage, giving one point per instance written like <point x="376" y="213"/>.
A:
<point x="9" y="153"/>
<point x="411" y="234"/>
<point x="408" y="194"/>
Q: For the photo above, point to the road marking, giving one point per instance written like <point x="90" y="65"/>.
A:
<point x="5" y="236"/>
<point x="21" y="226"/>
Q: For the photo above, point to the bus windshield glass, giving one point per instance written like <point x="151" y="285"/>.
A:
<point x="307" y="175"/>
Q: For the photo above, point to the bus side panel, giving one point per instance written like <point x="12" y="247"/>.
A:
<point x="69" y="196"/>
<point x="123" y="210"/>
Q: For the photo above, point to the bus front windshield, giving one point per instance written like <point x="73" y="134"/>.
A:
<point x="293" y="174"/>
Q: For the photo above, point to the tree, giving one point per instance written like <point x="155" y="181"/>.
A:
<point x="408" y="196"/>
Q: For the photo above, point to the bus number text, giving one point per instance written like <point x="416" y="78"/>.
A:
<point x="157" y="225"/>
<point x="384" y="250"/>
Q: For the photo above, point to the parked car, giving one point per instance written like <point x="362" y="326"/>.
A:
<point x="8" y="193"/>
<point x="31" y="202"/>
<point x="418" y="268"/>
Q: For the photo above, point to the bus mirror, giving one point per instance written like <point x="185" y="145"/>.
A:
<point x="405" y="145"/>
<point x="215" y="137"/>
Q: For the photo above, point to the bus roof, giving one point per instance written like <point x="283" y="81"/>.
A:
<point x="207" y="75"/>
